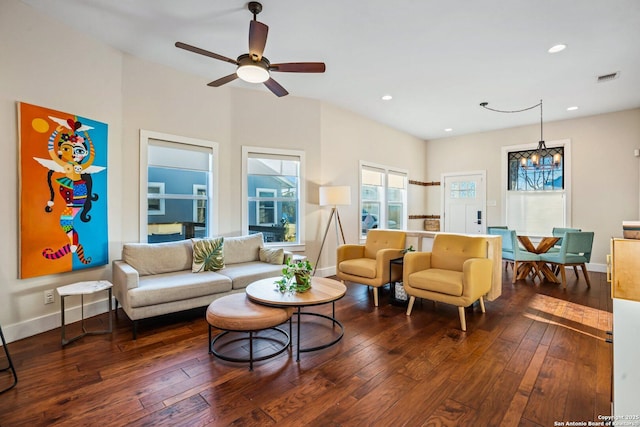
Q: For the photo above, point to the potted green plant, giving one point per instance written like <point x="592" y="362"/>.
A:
<point x="296" y="276"/>
<point x="407" y="250"/>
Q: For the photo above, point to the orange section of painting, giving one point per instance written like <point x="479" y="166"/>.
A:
<point x="38" y="229"/>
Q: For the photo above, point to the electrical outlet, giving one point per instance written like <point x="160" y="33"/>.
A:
<point x="48" y="296"/>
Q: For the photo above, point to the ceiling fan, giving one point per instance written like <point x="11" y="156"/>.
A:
<point x="252" y="66"/>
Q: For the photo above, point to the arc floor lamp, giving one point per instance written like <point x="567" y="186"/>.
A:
<point x="333" y="196"/>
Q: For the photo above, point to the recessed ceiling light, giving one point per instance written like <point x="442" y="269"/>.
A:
<point x="575" y="107"/>
<point x="387" y="97"/>
<point x="557" y="48"/>
<point x="448" y="129"/>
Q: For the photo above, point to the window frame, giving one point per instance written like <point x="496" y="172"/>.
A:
<point x="566" y="145"/>
<point x="384" y="201"/>
<point x="145" y="137"/>
<point x="252" y="150"/>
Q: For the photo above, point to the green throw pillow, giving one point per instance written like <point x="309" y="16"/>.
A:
<point x="207" y="254"/>
<point x="272" y="256"/>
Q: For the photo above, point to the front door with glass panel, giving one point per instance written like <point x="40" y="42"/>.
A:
<point x="464" y="203"/>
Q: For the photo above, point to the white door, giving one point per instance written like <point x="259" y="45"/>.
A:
<point x="464" y="202"/>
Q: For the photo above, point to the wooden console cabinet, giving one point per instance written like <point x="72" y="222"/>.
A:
<point x="624" y="274"/>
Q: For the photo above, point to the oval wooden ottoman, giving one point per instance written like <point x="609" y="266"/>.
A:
<point x="236" y="313"/>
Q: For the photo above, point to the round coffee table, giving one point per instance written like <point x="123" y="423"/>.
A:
<point x="323" y="291"/>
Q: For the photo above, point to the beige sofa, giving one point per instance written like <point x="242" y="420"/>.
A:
<point x="156" y="279"/>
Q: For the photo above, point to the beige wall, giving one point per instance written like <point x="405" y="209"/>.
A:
<point x="45" y="63"/>
<point x="604" y="172"/>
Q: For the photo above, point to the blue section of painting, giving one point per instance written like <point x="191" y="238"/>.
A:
<point x="93" y="235"/>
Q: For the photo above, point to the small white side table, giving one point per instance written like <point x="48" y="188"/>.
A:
<point x="82" y="289"/>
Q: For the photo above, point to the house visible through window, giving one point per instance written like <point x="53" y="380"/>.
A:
<point x="272" y="192"/>
<point x="383" y="198"/>
<point x="179" y="187"/>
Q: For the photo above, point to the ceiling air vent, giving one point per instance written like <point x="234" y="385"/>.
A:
<point x="608" y="77"/>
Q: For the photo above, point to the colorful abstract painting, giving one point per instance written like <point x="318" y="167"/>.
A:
<point x="63" y="192"/>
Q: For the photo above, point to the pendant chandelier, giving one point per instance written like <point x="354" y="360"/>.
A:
<point x="536" y="159"/>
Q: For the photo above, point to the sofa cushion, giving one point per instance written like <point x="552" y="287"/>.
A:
<point x="243" y="274"/>
<point x="243" y="248"/>
<point x="207" y="254"/>
<point x="447" y="282"/>
<point x="361" y="267"/>
<point x="176" y="286"/>
<point x="272" y="256"/>
<point x="158" y="258"/>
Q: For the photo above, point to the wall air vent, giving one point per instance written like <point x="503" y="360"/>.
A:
<point x="608" y="77"/>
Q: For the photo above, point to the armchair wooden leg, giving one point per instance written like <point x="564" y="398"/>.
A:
<point x="412" y="300"/>
<point x="463" y="322"/>
<point x="375" y="296"/>
<point x="586" y="274"/>
<point x="481" y="300"/>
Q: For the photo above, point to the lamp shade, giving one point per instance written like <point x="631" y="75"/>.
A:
<point x="335" y="195"/>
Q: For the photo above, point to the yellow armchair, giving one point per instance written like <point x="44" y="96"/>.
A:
<point x="368" y="264"/>
<point x="456" y="271"/>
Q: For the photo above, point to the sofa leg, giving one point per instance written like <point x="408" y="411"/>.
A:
<point x="463" y="322"/>
<point x="412" y="300"/>
<point x="135" y="330"/>
<point x="481" y="300"/>
<point x="375" y="296"/>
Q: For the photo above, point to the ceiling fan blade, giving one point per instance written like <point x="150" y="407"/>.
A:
<point x="205" y="52"/>
<point x="223" y="80"/>
<point x="257" y="39"/>
<point x="275" y="87"/>
<point x="299" y="67"/>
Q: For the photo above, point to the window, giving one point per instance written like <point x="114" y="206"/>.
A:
<point x="272" y="194"/>
<point x="200" y="203"/>
<point x="537" y="190"/>
<point x="155" y="204"/>
<point x="383" y="198"/>
<point x="266" y="213"/>
<point x="530" y="172"/>
<point x="177" y="187"/>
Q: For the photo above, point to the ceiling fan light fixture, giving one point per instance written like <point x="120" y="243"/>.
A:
<point x="557" y="48"/>
<point x="252" y="73"/>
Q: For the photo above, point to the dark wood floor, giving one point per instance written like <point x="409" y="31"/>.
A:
<point x="537" y="356"/>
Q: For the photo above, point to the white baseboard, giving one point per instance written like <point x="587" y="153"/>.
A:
<point x="326" y="271"/>
<point x="38" y="325"/>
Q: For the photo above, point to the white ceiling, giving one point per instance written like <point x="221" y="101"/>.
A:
<point x="439" y="59"/>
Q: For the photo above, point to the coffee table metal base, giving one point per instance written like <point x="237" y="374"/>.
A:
<point x="321" y="346"/>
<point x="284" y="344"/>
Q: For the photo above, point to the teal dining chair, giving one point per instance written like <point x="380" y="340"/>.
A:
<point x="513" y="254"/>
<point x="575" y="251"/>
<point x="560" y="232"/>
